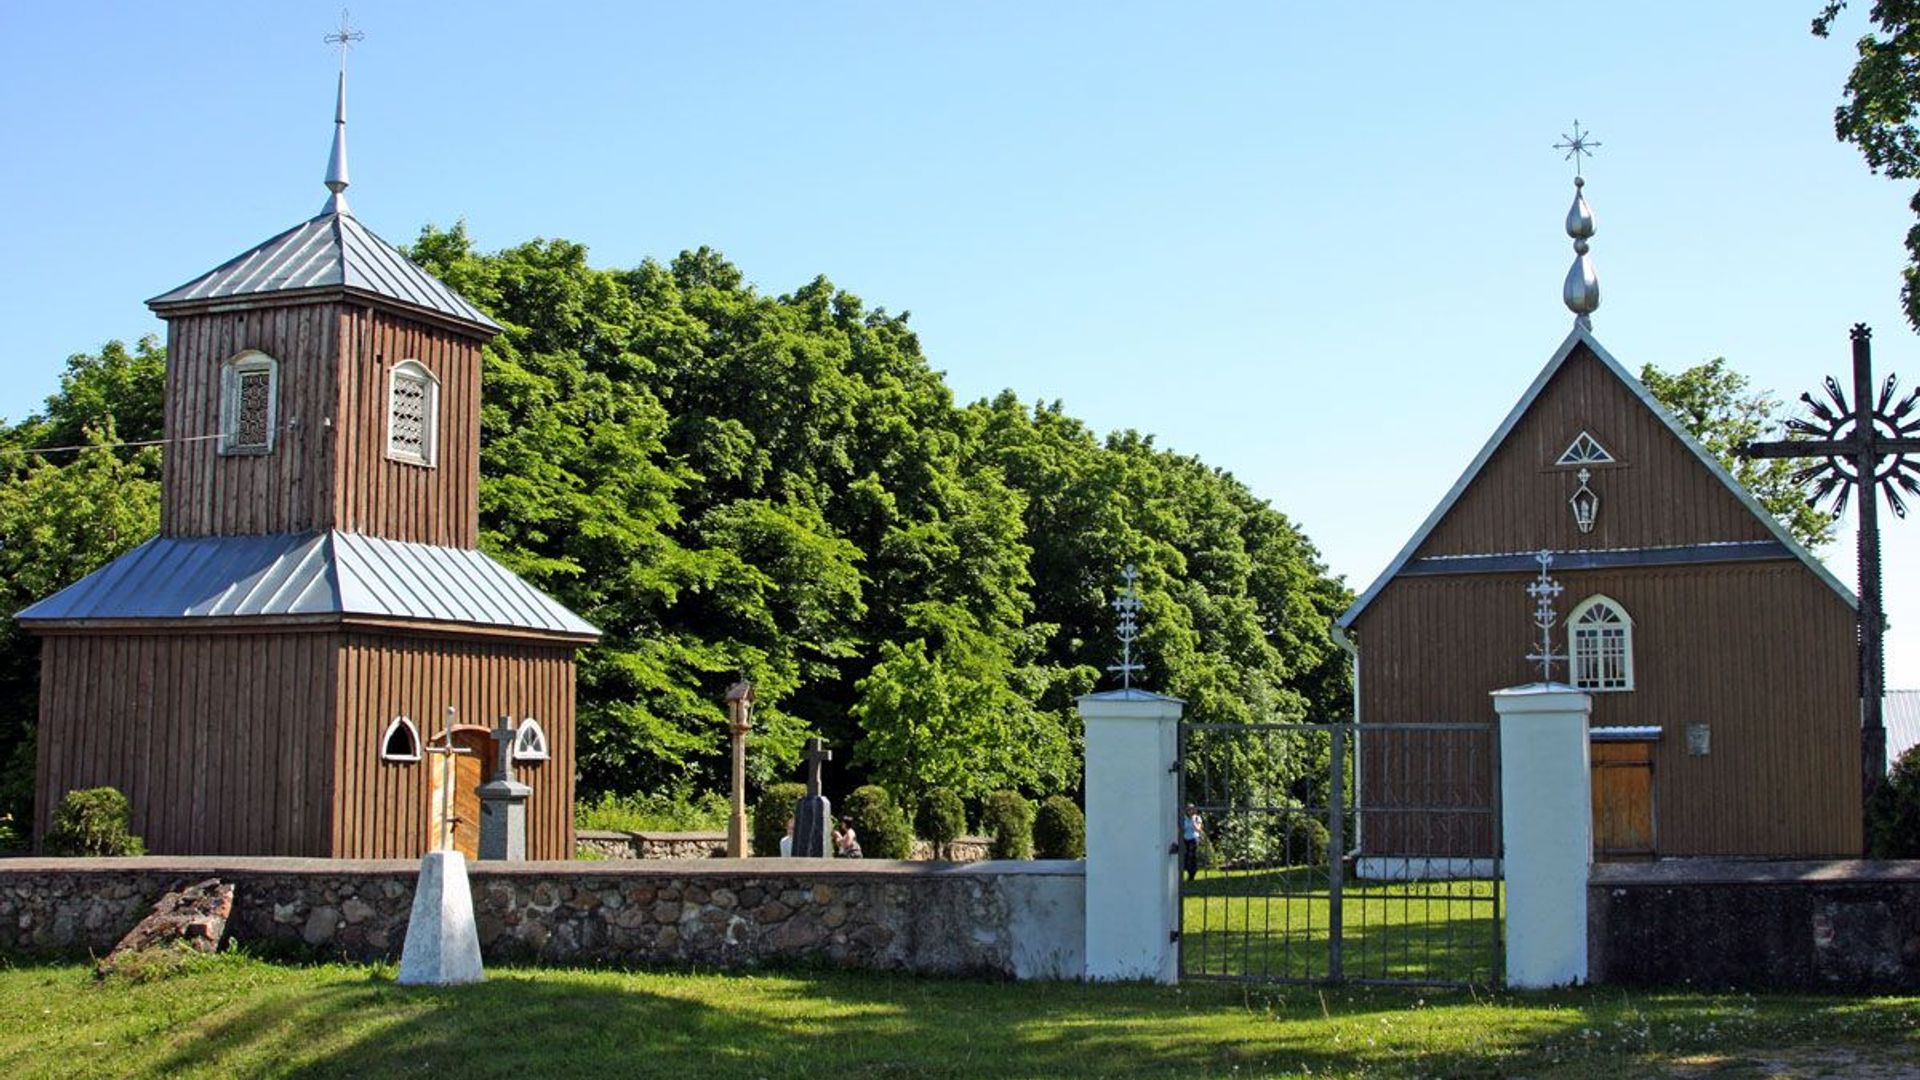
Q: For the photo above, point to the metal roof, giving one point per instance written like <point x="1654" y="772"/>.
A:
<point x="1581" y="336"/>
<point x="1901" y="714"/>
<point x="332" y="250"/>
<point x="324" y="573"/>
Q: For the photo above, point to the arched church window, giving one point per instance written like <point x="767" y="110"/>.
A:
<point x="400" y="742"/>
<point x="413" y="413"/>
<point x="249" y="403"/>
<point x="531" y="743"/>
<point x="1601" y="645"/>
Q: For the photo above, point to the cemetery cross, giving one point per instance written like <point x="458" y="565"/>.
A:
<point x="813" y="815"/>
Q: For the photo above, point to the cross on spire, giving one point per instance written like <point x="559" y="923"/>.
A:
<point x="1577" y="145"/>
<point x="345" y="37"/>
<point x="1127" y="604"/>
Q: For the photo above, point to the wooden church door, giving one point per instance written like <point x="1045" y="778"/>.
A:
<point x="1623" y="800"/>
<point x="469" y="772"/>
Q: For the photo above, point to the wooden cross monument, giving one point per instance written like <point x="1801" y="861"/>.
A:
<point x="1866" y="445"/>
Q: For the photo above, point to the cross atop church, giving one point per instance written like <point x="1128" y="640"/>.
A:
<point x="816" y="755"/>
<point x="345" y="37"/>
<point x="1873" y="444"/>
<point x="1577" y="145"/>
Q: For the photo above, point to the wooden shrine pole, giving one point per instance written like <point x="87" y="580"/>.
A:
<point x="739" y="722"/>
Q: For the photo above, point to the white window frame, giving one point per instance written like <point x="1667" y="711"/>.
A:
<point x="1601" y="455"/>
<point x="429" y="454"/>
<point x="530" y="744"/>
<point x="250" y="362"/>
<point x="400" y="723"/>
<point x="1575" y="656"/>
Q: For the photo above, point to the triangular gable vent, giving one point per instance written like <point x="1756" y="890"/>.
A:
<point x="1585" y="450"/>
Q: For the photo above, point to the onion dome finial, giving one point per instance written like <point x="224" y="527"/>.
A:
<point x="1581" y="292"/>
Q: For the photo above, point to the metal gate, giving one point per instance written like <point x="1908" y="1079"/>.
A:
<point x="1329" y="853"/>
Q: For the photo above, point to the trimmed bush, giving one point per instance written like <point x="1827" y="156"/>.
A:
<point x="1893" y="814"/>
<point x="770" y="814"/>
<point x="1008" y="820"/>
<point x="1059" y="830"/>
<point x="880" y="823"/>
<point x="93" y="821"/>
<point x="942" y="820"/>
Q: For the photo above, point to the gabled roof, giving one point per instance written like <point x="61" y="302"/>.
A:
<point x="1581" y="336"/>
<point x="331" y="251"/>
<point x="323" y="573"/>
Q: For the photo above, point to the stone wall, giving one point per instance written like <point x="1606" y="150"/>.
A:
<point x="1845" y="925"/>
<point x="1014" y="919"/>
<point x="620" y="844"/>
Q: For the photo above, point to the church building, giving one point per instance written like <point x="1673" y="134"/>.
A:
<point x="1719" y="653"/>
<point x="266" y="676"/>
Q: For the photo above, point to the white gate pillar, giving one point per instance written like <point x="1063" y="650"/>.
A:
<point x="1133" y="834"/>
<point x="1546" y="813"/>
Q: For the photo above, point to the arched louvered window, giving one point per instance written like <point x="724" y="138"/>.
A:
<point x="1600" y="644"/>
<point x="400" y="742"/>
<point x="413" y="413"/>
<point x="249" y="403"/>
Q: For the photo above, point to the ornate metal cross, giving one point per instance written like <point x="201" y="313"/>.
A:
<point x="1128" y="605"/>
<point x="1577" y="145"/>
<point x="345" y="37"/>
<point x="816" y="755"/>
<point x="1545" y="591"/>
<point x="1872" y="444"/>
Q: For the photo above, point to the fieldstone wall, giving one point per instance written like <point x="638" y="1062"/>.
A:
<point x="1014" y="919"/>
<point x="1844" y="925"/>
<point x="620" y="844"/>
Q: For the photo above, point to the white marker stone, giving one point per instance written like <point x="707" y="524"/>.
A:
<point x="443" y="944"/>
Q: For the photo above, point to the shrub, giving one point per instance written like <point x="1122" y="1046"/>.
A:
<point x="1247" y="841"/>
<point x="1893" y="814"/>
<point x="93" y="822"/>
<point x="666" y="811"/>
<point x="770" y="815"/>
<point x="942" y="820"/>
<point x="880" y="823"/>
<point x="1008" y="821"/>
<point x="1059" y="830"/>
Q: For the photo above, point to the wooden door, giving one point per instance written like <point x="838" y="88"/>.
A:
<point x="1623" y="800"/>
<point x="469" y="772"/>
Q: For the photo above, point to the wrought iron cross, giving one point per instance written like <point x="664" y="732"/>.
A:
<point x="1128" y="605"/>
<point x="345" y="37"/>
<point x="1871" y="443"/>
<point x="1577" y="145"/>
<point x="816" y="755"/>
<point x="1545" y="591"/>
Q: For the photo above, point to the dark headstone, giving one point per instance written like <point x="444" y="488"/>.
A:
<point x="813" y="814"/>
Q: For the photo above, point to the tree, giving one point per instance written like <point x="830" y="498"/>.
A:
<point x="1876" y="112"/>
<point x="1712" y="402"/>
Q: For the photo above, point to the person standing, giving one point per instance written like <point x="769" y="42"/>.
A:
<point x="1192" y="831"/>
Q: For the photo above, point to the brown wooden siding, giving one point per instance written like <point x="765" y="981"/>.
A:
<point x="207" y="493"/>
<point x="378" y="496"/>
<point x="1659" y="495"/>
<point x="220" y="741"/>
<point x="380" y="806"/>
<point x="1761" y="652"/>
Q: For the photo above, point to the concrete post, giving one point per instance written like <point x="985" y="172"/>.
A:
<point x="1133" y="835"/>
<point x="1546" y="812"/>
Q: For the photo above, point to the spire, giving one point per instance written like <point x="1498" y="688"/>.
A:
<point x="337" y="160"/>
<point x="1581" y="292"/>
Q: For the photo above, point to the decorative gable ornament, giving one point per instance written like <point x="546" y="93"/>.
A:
<point x="1585" y="450"/>
<point x="1585" y="503"/>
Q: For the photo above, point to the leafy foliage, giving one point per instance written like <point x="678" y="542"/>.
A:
<point x="940" y="820"/>
<point x="93" y="822"/>
<point x="1877" y="107"/>
<point x="1893" y="814"/>
<point x="771" y="812"/>
<point x="880" y="823"/>
<point x="1712" y="402"/>
<point x="1007" y="819"/>
<point x="665" y="811"/>
<point x="1059" y="829"/>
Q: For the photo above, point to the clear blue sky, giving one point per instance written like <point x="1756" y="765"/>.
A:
<point x="1318" y="245"/>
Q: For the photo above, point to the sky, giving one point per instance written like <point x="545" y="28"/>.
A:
<point x="1320" y="246"/>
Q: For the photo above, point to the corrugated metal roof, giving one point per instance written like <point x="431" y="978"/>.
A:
<point x="1901" y="713"/>
<point x="330" y="251"/>
<point x="175" y="577"/>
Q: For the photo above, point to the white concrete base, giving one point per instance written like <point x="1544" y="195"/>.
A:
<point x="443" y="944"/>
<point x="1419" y="868"/>
<point x="1133" y="829"/>
<point x="1546" y="812"/>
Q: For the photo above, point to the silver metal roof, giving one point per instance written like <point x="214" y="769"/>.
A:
<point x="325" y="573"/>
<point x="332" y="250"/>
<point x="1582" y="336"/>
<point x="1901" y="713"/>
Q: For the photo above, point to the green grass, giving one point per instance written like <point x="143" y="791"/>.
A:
<point x="235" y="1016"/>
<point x="681" y="812"/>
<point x="1275" y="923"/>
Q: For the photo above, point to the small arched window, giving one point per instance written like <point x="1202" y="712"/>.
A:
<point x="531" y="743"/>
<point x="249" y="403"/>
<point x="1600" y="634"/>
<point x="413" y="413"/>
<point x="400" y="742"/>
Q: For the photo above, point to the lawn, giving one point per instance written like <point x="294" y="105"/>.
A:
<point x="236" y="1016"/>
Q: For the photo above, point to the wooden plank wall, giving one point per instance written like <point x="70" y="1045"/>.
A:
<point x="381" y="807"/>
<point x="1762" y="652"/>
<point x="397" y="500"/>
<point x="206" y="493"/>
<point x="219" y="741"/>
<point x="1660" y="495"/>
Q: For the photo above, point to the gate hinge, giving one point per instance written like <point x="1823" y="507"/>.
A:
<point x="1173" y="935"/>
<point x="1173" y="848"/>
<point x="1174" y="768"/>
